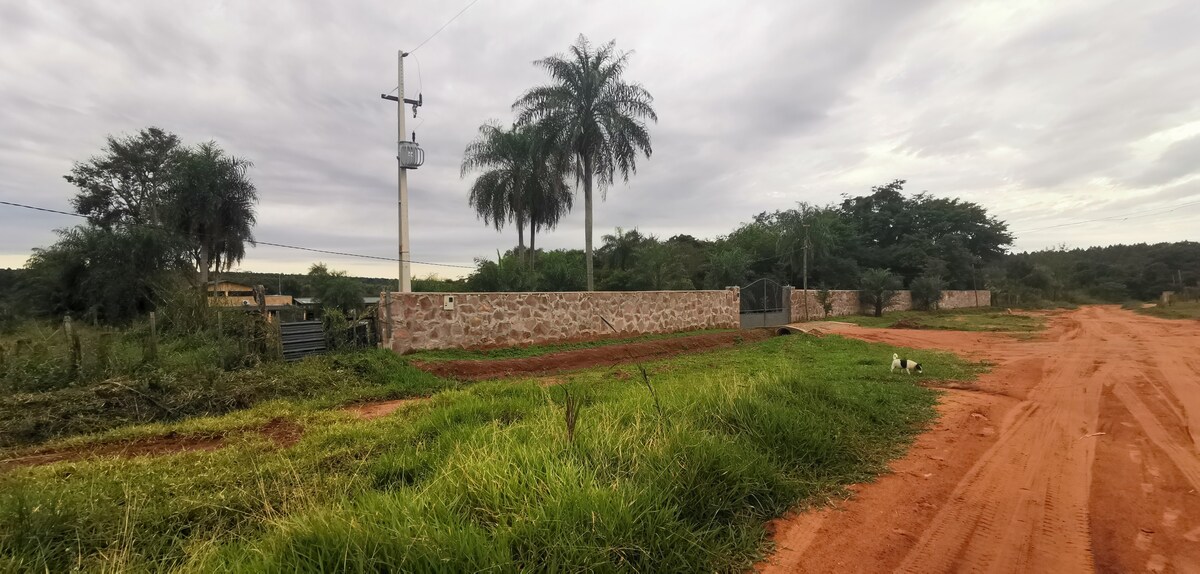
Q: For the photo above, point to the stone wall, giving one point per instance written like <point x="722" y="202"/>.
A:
<point x="847" y="303"/>
<point x="417" y="321"/>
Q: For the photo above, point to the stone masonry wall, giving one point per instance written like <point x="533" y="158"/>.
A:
<point x="418" y="321"/>
<point x="847" y="303"/>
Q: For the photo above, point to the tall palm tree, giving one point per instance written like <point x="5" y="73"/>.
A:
<point x="518" y="182"/>
<point x="596" y="118"/>
<point x="212" y="206"/>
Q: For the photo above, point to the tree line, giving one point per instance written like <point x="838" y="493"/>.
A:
<point x="912" y="238"/>
<point x="159" y="215"/>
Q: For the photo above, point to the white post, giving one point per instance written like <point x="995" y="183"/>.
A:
<point x="405" y="281"/>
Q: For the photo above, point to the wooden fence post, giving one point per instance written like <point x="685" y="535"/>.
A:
<point x="151" y="351"/>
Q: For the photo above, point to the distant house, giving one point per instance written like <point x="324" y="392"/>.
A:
<point x="312" y="305"/>
<point x="230" y="294"/>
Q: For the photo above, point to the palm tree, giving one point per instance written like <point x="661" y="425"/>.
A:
<point x="212" y="206"/>
<point x="518" y="183"/>
<point x="547" y="197"/>
<point x="596" y="119"/>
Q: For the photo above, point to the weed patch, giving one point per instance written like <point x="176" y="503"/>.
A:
<point x="956" y="320"/>
<point x="485" y="478"/>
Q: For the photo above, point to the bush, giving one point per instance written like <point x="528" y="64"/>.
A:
<point x="825" y="299"/>
<point x="878" y="288"/>
<point x="926" y="293"/>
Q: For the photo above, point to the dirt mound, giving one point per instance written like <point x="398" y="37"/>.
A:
<point x="282" y="432"/>
<point x="474" y="370"/>
<point x="907" y="324"/>
<point x="368" y="411"/>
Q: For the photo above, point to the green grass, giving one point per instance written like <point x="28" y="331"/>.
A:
<point x="536" y="350"/>
<point x="956" y="320"/>
<point x="483" y="478"/>
<point x="162" y="394"/>
<point x="1187" y="310"/>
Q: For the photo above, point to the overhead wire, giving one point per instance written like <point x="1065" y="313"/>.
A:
<point x="268" y="243"/>
<point x="439" y="30"/>
<point x="1121" y="217"/>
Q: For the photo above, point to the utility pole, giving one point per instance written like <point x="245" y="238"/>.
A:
<point x="806" y="272"/>
<point x="409" y="156"/>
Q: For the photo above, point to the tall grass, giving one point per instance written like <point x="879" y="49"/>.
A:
<point x="485" y="479"/>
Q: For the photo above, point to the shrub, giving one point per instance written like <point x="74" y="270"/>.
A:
<point x="878" y="288"/>
<point x="926" y="293"/>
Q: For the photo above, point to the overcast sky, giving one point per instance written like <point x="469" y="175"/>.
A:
<point x="1046" y="113"/>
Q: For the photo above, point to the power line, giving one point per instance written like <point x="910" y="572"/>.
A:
<point x="1122" y="217"/>
<point x="282" y="245"/>
<point x="439" y="30"/>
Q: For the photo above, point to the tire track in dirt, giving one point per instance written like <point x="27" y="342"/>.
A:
<point x="1096" y="467"/>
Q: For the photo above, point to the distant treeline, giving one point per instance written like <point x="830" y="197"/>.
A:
<point x="948" y="243"/>
<point x="1097" y="274"/>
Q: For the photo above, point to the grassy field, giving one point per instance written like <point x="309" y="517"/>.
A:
<point x="46" y="393"/>
<point x="536" y="350"/>
<point x="485" y="478"/>
<point x="987" y="319"/>
<point x="1188" y="310"/>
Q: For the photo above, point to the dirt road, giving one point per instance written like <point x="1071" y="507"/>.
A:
<point x="1077" y="453"/>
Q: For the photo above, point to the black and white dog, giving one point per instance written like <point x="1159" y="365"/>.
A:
<point x="905" y="364"/>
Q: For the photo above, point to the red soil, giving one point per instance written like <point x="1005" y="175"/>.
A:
<point x="474" y="370"/>
<point x="1077" y="453"/>
<point x="282" y="432"/>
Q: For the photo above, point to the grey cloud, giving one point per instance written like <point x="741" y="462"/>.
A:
<point x="760" y="106"/>
<point x="1180" y="159"/>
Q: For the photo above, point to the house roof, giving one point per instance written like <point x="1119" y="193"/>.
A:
<point x="316" y="301"/>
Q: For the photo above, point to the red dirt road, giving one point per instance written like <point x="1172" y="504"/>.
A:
<point x="614" y="354"/>
<point x="1077" y="453"/>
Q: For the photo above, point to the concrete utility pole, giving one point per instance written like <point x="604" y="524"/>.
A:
<point x="408" y="157"/>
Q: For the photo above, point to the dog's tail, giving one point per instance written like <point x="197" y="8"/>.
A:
<point x="895" y="356"/>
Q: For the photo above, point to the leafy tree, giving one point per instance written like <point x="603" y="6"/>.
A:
<point x="111" y="275"/>
<point x="594" y="116"/>
<point x="561" y="270"/>
<point x="692" y="254"/>
<point x="212" y="207"/>
<point x="128" y="182"/>
<point x="926" y="292"/>
<point x="335" y="290"/>
<point x="904" y="234"/>
<point x="507" y="273"/>
<point x="620" y="249"/>
<point x="878" y="288"/>
<point x="434" y="284"/>
<point x="659" y="268"/>
<point x="727" y="267"/>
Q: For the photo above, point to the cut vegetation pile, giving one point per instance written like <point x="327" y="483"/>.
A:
<point x="181" y="386"/>
<point x="486" y="478"/>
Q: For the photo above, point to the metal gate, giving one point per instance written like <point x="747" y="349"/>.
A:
<point x="301" y="339"/>
<point x="765" y="303"/>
